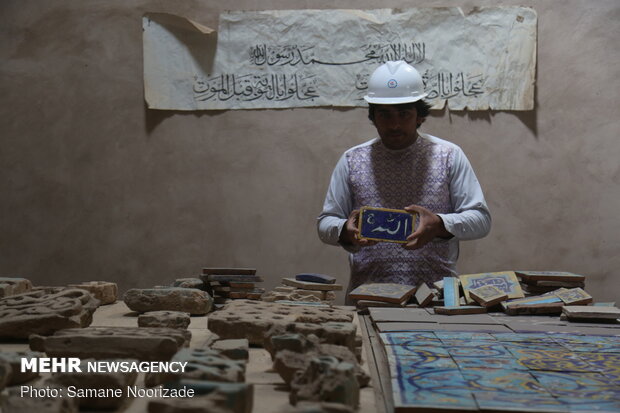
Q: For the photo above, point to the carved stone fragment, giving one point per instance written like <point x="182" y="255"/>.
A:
<point x="238" y="349"/>
<point x="251" y="319"/>
<point x="47" y="400"/>
<point x="190" y="283"/>
<point x="326" y="379"/>
<point x="94" y="389"/>
<point x="169" y="319"/>
<point x="14" y="285"/>
<point x="141" y="343"/>
<point x="342" y="334"/>
<point x="40" y="312"/>
<point x="234" y="397"/>
<point x="203" y="364"/>
<point x="14" y="358"/>
<point x="104" y="291"/>
<point x="188" y="300"/>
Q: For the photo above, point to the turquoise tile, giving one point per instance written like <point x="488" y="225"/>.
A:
<point x="513" y="382"/>
<point x="524" y="337"/>
<point x="408" y="338"/>
<point x="506" y="402"/>
<point x="465" y="335"/>
<point x="488" y="363"/>
<point x="482" y="349"/>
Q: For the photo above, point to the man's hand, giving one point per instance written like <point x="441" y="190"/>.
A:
<point x="350" y="232"/>
<point x="430" y="227"/>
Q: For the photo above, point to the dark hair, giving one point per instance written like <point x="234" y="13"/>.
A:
<point x="422" y="108"/>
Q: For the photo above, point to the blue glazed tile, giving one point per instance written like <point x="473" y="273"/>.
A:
<point x="488" y="363"/>
<point x="408" y="365"/>
<point x="519" y="347"/>
<point x="498" y="401"/>
<point x="513" y="382"/>
<point x="408" y="338"/>
<point x="524" y="337"/>
<point x="421" y="351"/>
<point x="464" y="336"/>
<point x="410" y="396"/>
<point x="488" y="349"/>
<point x="585" y="386"/>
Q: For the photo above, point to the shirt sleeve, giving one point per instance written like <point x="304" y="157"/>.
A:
<point x="471" y="218"/>
<point x="337" y="206"/>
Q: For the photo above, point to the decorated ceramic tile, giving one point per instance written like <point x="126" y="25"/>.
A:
<point x="503" y="401"/>
<point x="573" y="296"/>
<point x="506" y="281"/>
<point x="524" y="337"/>
<point x="412" y="395"/>
<point x="503" y="381"/>
<point x="383" y="224"/>
<point x="389" y="292"/>
<point x="409" y="338"/>
<point x="481" y="349"/>
<point x="464" y="336"/>
<point x="591" y="392"/>
<point x="451" y="297"/>
<point x="549" y="276"/>
<point x="540" y="346"/>
<point x="555" y="361"/>
<point x="417" y="350"/>
<point x="407" y="365"/>
<point x="466" y="363"/>
<point x="601" y="362"/>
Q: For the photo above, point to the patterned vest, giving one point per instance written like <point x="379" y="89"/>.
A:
<point x="381" y="177"/>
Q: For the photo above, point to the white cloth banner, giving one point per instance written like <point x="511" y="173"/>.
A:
<point x="479" y="60"/>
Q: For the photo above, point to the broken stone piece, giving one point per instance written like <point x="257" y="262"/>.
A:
<point x="104" y="291"/>
<point x="251" y="319"/>
<point x="238" y="349"/>
<point x="236" y="397"/>
<point x="169" y="319"/>
<point x="101" y="382"/>
<point x="43" y="312"/>
<point x="326" y="379"/>
<point x="14" y="285"/>
<point x="14" y="358"/>
<point x="203" y="364"/>
<point x="188" y="300"/>
<point x="141" y="343"/>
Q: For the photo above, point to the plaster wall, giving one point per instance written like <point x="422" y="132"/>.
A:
<point x="94" y="186"/>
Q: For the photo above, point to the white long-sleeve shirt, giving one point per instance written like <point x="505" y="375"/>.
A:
<point x="470" y="217"/>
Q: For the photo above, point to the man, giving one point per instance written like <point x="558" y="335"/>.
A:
<point x="403" y="169"/>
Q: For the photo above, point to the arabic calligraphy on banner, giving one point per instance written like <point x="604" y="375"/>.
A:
<point x="302" y="58"/>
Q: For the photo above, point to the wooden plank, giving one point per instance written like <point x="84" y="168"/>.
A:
<point x="591" y="312"/>
<point x="228" y="271"/>
<point x="550" y="276"/>
<point x="304" y="285"/>
<point x="460" y="309"/>
<point x="377" y="366"/>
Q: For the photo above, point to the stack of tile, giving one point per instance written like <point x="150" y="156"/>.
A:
<point x="305" y="287"/>
<point x="540" y="282"/>
<point x="232" y="283"/>
<point x="386" y="295"/>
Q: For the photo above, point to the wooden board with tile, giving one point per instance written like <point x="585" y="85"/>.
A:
<point x="384" y="224"/>
<point x="574" y="296"/>
<point x="388" y="292"/>
<point x="506" y="281"/>
<point x="488" y="295"/>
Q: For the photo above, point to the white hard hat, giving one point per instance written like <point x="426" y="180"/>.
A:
<point x="395" y="83"/>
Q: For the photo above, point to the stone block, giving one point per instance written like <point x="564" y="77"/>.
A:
<point x="236" y="397"/>
<point x="141" y="343"/>
<point x="238" y="349"/>
<point x="14" y="285"/>
<point x="14" y="358"/>
<point x="44" y="311"/>
<point x="251" y="319"/>
<point x="168" y="319"/>
<point x="326" y="379"/>
<point x="188" y="300"/>
<point x="203" y="364"/>
<point x="46" y="401"/>
<point x="97" y="390"/>
<point x="105" y="292"/>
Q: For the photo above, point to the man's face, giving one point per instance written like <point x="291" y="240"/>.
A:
<point x="396" y="125"/>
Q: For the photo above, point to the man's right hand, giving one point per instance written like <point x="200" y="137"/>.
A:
<point x="350" y="233"/>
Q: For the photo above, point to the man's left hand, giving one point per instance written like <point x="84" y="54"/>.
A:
<point x="430" y="227"/>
